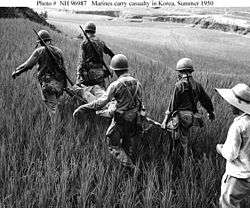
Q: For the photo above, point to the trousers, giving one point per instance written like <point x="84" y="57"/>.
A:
<point x="122" y="141"/>
<point x="233" y="192"/>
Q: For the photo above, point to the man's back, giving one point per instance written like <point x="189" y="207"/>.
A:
<point x="128" y="93"/>
<point x="49" y="65"/>
<point x="187" y="89"/>
<point x="90" y="55"/>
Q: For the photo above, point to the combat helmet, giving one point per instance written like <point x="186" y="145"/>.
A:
<point x="119" y="62"/>
<point x="90" y="27"/>
<point x="43" y="34"/>
<point x="185" y="65"/>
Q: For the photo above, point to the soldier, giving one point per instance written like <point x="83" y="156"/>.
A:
<point x="90" y="73"/>
<point x="52" y="79"/>
<point x="182" y="110"/>
<point x="127" y="92"/>
<point x="235" y="184"/>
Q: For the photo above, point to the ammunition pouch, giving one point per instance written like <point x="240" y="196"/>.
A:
<point x="49" y="85"/>
<point x="48" y="76"/>
<point x="91" y="77"/>
<point x="186" y="119"/>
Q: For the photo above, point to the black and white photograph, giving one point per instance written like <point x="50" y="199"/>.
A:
<point x="125" y="104"/>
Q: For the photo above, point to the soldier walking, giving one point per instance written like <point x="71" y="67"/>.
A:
<point x="182" y="113"/>
<point x="90" y="72"/>
<point x="51" y="75"/>
<point x="235" y="184"/>
<point x="127" y="92"/>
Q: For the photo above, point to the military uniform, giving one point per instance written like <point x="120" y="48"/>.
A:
<point x="182" y="103"/>
<point x="127" y="92"/>
<point x="183" y="111"/>
<point x="90" y="73"/>
<point x="51" y="80"/>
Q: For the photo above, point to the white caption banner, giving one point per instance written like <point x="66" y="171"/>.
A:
<point x="112" y="4"/>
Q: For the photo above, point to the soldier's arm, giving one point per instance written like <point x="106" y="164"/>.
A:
<point x="172" y="106"/>
<point x="102" y="101"/>
<point x="108" y="51"/>
<point x="174" y="100"/>
<point x="205" y="100"/>
<point x="81" y="63"/>
<point x="28" y="64"/>
<point x="62" y="61"/>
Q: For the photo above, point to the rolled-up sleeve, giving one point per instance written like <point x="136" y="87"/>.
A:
<point x="231" y="148"/>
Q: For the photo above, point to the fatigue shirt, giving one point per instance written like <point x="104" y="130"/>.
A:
<point x="181" y="97"/>
<point x="88" y="58"/>
<point x="120" y="93"/>
<point x="236" y="149"/>
<point x="45" y="64"/>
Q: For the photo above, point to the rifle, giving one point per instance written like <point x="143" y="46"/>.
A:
<point x="96" y="52"/>
<point x="53" y="58"/>
<point x="68" y="91"/>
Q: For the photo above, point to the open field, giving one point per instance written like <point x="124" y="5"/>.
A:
<point x="64" y="166"/>
<point x="164" y="41"/>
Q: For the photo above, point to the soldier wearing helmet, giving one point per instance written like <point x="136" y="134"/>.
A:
<point x="90" y="73"/>
<point x="127" y="92"/>
<point x="52" y="80"/>
<point x="183" y="105"/>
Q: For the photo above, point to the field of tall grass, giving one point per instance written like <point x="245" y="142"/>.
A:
<point x="67" y="165"/>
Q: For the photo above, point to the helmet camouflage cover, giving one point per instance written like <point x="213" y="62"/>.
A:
<point x="44" y="34"/>
<point x="90" y="26"/>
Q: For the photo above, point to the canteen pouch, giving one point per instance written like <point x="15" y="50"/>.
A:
<point x="188" y="119"/>
<point x="92" y="76"/>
